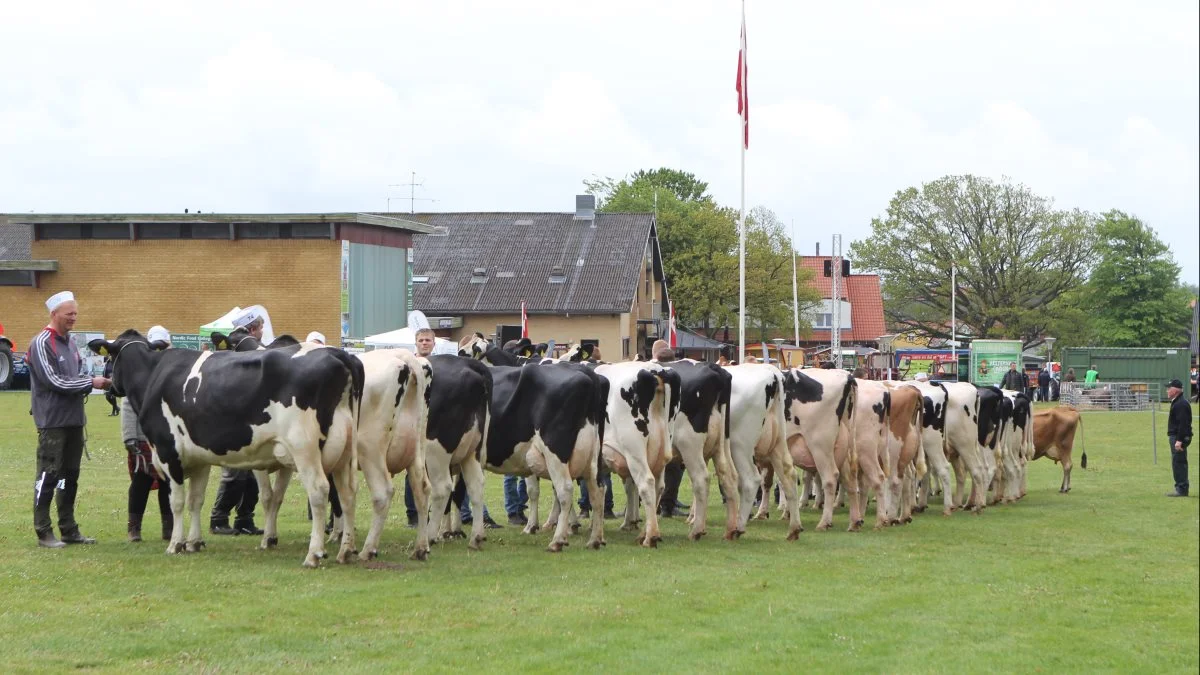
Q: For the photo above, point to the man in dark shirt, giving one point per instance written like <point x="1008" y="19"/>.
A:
<point x="1044" y="384"/>
<point x="1013" y="380"/>
<point x="58" y="391"/>
<point x="1179" y="436"/>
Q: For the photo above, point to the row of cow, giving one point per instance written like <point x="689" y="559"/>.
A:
<point x="324" y="414"/>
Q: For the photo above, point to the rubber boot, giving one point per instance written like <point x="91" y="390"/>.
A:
<point x="135" y="527"/>
<point x="46" y="539"/>
<point x="229" y="494"/>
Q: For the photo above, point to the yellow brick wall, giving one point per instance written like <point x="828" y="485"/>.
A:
<point x="182" y="284"/>
<point x="607" y="328"/>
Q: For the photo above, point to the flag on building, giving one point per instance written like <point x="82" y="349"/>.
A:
<point x="524" y="321"/>
<point x="672" y="335"/>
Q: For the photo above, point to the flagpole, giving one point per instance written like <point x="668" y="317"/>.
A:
<point x="795" y="291"/>
<point x="742" y="214"/>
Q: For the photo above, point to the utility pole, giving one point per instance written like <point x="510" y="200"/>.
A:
<point x="835" y="330"/>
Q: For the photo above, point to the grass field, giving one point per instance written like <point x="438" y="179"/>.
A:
<point x="1102" y="579"/>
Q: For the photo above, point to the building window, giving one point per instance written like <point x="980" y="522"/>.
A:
<point x="159" y="231"/>
<point x="625" y="348"/>
<point x="59" y="231"/>
<point x="823" y="321"/>
<point x="210" y="231"/>
<point x="310" y="230"/>
<point x="16" y="278"/>
<point x="108" y="230"/>
<point x="257" y="231"/>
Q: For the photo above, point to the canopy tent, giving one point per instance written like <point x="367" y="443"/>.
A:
<point x="225" y="324"/>
<point x="405" y="338"/>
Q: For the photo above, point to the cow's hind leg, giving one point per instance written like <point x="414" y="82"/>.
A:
<point x="441" y="484"/>
<point x="382" y="489"/>
<point x="727" y="477"/>
<point x="693" y="460"/>
<point x="178" y="499"/>
<point x="472" y="474"/>
<point x="596" y="497"/>
<point x="343" y="478"/>
<point x="316" y="485"/>
<point x="197" y="484"/>
<point x="564" y="491"/>
<point x="647" y="490"/>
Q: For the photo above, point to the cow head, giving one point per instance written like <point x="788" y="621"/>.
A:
<point x="139" y="359"/>
<point x="578" y="352"/>
<point x="523" y="348"/>
<point x="283" y="341"/>
<point x="540" y="349"/>
<point x="473" y="347"/>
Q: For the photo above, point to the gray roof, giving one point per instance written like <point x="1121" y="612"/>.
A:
<point x="15" y="242"/>
<point x="689" y="340"/>
<point x="391" y="220"/>
<point x="600" y="262"/>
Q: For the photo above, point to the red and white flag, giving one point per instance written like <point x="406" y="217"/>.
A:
<point x="524" y="321"/>
<point x="743" y="97"/>
<point x="672" y="335"/>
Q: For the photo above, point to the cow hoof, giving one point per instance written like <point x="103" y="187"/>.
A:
<point x="595" y="544"/>
<point x="907" y="519"/>
<point x="629" y="527"/>
<point x="821" y="527"/>
<point x="173" y="549"/>
<point x="195" y="546"/>
<point x="793" y="535"/>
<point x="321" y="555"/>
<point x="456" y="534"/>
<point x="343" y="557"/>
<point x="555" y="547"/>
<point x="762" y="516"/>
<point x="476" y="543"/>
<point x="269" y="543"/>
<point x="531" y="528"/>
<point x="738" y="534"/>
<point x="695" y="536"/>
<point x="420" y="554"/>
<point x="368" y="555"/>
<point x="311" y="562"/>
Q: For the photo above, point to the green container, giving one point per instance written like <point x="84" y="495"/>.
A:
<point x="1130" y="364"/>
<point x="990" y="360"/>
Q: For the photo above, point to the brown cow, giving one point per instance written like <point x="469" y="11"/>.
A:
<point x="1054" y="437"/>
<point x="904" y="451"/>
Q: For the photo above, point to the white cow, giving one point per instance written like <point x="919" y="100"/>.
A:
<point x="821" y="414"/>
<point x="965" y="451"/>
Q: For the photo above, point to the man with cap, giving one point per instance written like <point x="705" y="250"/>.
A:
<point x="143" y="477"/>
<point x="238" y="487"/>
<point x="1179" y="436"/>
<point x="59" y="387"/>
<point x="315" y="337"/>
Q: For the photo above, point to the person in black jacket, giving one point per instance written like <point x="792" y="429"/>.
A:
<point x="1044" y="384"/>
<point x="1014" y="380"/>
<point x="1179" y="436"/>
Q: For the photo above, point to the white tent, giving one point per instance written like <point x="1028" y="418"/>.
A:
<point x="225" y="324"/>
<point x="405" y="338"/>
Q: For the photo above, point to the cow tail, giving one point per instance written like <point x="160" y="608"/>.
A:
<point x="847" y="424"/>
<point x="887" y="438"/>
<point x="918" y="420"/>
<point x="1082" y="446"/>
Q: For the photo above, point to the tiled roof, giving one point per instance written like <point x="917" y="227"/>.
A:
<point x="864" y="295"/>
<point x="601" y="261"/>
<point x="15" y="242"/>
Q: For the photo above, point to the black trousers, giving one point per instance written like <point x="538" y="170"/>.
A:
<point x="139" y="493"/>
<point x="1179" y="466"/>
<point x="59" y="453"/>
<point x="238" y="489"/>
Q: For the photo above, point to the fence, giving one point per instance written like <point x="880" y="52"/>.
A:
<point x="1116" y="397"/>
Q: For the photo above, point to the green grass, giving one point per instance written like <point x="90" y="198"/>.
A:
<point x="1102" y="579"/>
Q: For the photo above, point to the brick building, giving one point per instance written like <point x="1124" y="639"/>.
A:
<point x="860" y="305"/>
<point x="185" y="270"/>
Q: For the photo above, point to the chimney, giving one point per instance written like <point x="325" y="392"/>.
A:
<point x="818" y="249"/>
<point x="585" y="207"/>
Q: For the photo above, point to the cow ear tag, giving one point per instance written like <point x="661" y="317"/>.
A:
<point x="224" y="345"/>
<point x="103" y="350"/>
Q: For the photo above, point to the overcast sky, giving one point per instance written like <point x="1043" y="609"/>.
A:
<point x="508" y="106"/>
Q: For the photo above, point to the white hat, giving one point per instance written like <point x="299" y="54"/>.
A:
<point x="246" y="318"/>
<point x="922" y="377"/>
<point x="315" y="337"/>
<point x="58" y="299"/>
<point x="158" y="334"/>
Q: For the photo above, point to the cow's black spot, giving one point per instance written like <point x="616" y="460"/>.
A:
<point x="402" y="377"/>
<point x="848" y="392"/>
<point x="554" y="400"/>
<point x="702" y="390"/>
<point x="460" y="401"/>
<point x="879" y="410"/>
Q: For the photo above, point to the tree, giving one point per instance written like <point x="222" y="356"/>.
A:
<point x="1134" y="292"/>
<point x="769" y="276"/>
<point x="1015" y="254"/>
<point x="699" y="243"/>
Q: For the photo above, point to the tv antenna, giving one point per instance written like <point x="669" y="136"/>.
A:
<point x="412" y="197"/>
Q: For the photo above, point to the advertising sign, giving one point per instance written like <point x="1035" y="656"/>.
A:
<point x="909" y="362"/>
<point x="187" y="341"/>
<point x="990" y="360"/>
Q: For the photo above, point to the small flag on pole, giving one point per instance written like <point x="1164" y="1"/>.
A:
<point x="524" y="321"/>
<point x="672" y="335"/>
<point x="743" y="96"/>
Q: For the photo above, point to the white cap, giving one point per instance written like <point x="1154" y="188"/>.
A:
<point x="315" y="337"/>
<point x="922" y="377"/>
<point x="246" y="318"/>
<point x="158" y="334"/>
<point x="58" y="299"/>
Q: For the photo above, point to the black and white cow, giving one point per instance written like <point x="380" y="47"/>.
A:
<point x="819" y="407"/>
<point x="391" y="437"/>
<point x="758" y="435"/>
<point x="933" y="443"/>
<point x="964" y="442"/>
<point x="1014" y="445"/>
<point x="293" y="408"/>
<point x="459" y="417"/>
<point x="701" y="433"/>
<point x="642" y="401"/>
<point x="548" y="422"/>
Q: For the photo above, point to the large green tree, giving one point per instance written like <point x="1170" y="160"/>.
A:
<point x="1134" y="292"/>
<point x="699" y="243"/>
<point x="1016" y="255"/>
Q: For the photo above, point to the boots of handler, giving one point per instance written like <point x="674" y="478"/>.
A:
<point x="135" y="528"/>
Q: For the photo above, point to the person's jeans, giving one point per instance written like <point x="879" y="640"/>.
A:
<point x="1044" y="393"/>
<point x="585" y="501"/>
<point x="516" y="496"/>
<point x="1179" y="467"/>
